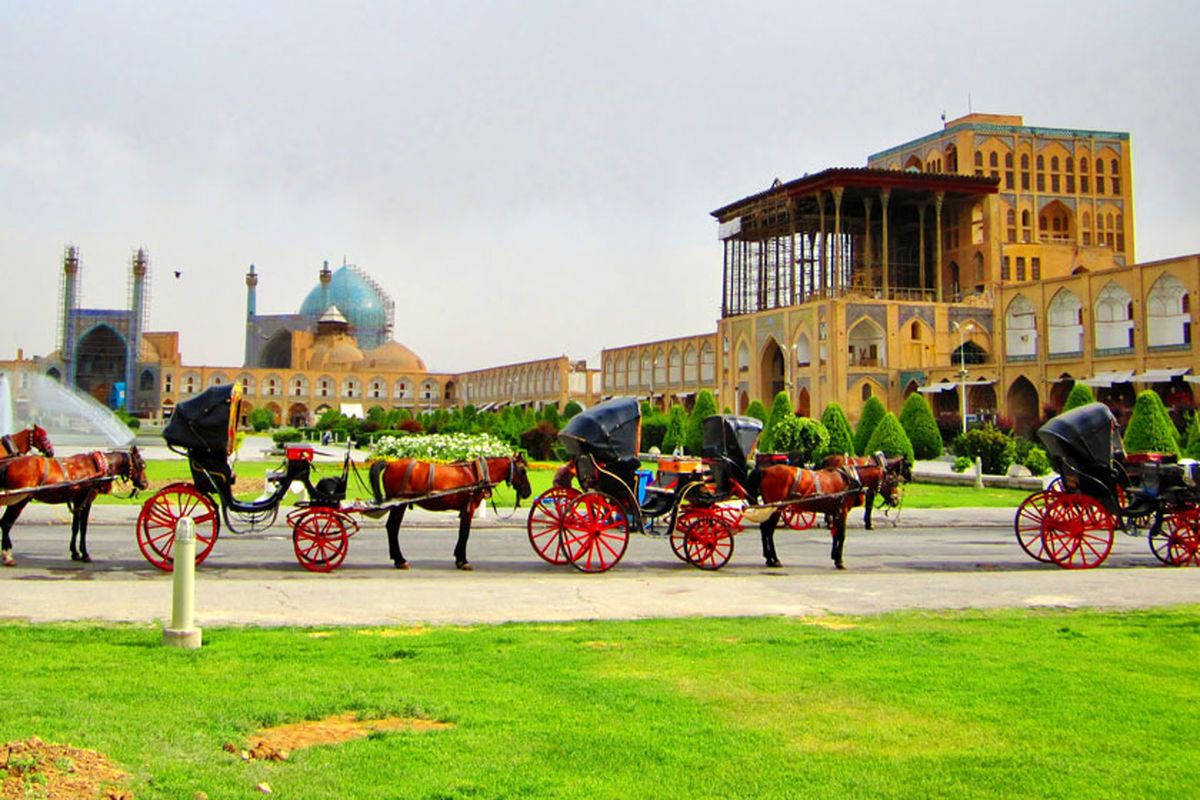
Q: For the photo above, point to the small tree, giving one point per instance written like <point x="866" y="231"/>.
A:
<point x="801" y="437"/>
<point x="757" y="410"/>
<point x="1081" y="394"/>
<point x="889" y="438"/>
<point x="1192" y="447"/>
<point x="873" y="411"/>
<point x="1150" y="429"/>
<point x="676" y="434"/>
<point x="916" y="417"/>
<point x="261" y="419"/>
<point x="841" y="436"/>
<point x="571" y="409"/>
<point x="781" y="408"/>
<point x="706" y="406"/>
<point x="992" y="446"/>
<point x="539" y="441"/>
<point x="654" y="430"/>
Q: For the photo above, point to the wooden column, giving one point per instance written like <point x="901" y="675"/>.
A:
<point x="939" y="199"/>
<point x="838" y="250"/>
<point x="884" y="197"/>
<point x="921" y="249"/>
<point x="867" y="256"/>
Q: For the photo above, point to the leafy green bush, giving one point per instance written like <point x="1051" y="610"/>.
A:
<point x="1150" y="429"/>
<point x="441" y="447"/>
<point x="1037" y="462"/>
<point x="676" y="433"/>
<point x="1081" y="394"/>
<point x="873" y="411"/>
<point x="841" y="437"/>
<point x="962" y="464"/>
<point x="539" y="440"/>
<point x="286" y="436"/>
<point x="989" y="443"/>
<point x="654" y="430"/>
<point x="131" y="422"/>
<point x="757" y="410"/>
<point x="916" y="417"/>
<point x="801" y="437"/>
<point x="261" y="419"/>
<point x="781" y="408"/>
<point x="706" y="406"/>
<point x="571" y="409"/>
<point x="890" y="439"/>
<point x="1192" y="446"/>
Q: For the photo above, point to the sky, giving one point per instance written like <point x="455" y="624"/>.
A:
<point x="525" y="179"/>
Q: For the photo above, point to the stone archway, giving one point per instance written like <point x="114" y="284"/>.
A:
<point x="1023" y="406"/>
<point x="100" y="364"/>
<point x="771" y="372"/>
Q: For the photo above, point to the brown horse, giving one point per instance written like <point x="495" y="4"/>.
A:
<point x="857" y="462"/>
<point x="832" y="492"/>
<point x="32" y="438"/>
<point x="460" y="486"/>
<point x="74" y="480"/>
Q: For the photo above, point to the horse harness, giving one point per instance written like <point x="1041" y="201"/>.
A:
<point x="482" y="473"/>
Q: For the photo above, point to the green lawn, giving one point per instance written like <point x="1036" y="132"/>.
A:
<point x="996" y="704"/>
<point x="250" y="481"/>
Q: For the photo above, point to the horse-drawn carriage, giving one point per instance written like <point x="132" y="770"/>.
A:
<point x="204" y="429"/>
<point x="699" y="500"/>
<point x="1072" y="522"/>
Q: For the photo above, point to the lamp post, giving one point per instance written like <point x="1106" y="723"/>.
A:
<point x="962" y="373"/>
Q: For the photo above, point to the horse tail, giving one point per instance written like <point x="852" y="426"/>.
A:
<point x="376" y="484"/>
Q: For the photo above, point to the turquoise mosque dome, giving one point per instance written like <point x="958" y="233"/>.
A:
<point x="361" y="300"/>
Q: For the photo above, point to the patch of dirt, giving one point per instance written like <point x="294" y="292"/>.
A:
<point x="34" y="769"/>
<point x="274" y="744"/>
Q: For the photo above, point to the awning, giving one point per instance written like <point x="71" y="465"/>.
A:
<point x="1107" y="379"/>
<point x="946" y="386"/>
<point x="354" y="410"/>
<point x="1160" y="375"/>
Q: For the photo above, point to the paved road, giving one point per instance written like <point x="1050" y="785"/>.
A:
<point x="934" y="559"/>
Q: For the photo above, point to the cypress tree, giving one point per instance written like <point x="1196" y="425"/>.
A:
<point x="706" y="406"/>
<point x="916" y="417"/>
<point x="781" y="408"/>
<point x="1150" y="429"/>
<point x="1081" y="394"/>
<point x="675" y="436"/>
<point x="757" y="410"/>
<point x="841" y="435"/>
<point x="889" y="438"/>
<point x="873" y="410"/>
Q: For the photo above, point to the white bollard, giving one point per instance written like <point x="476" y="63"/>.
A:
<point x="978" y="472"/>
<point x="183" y="632"/>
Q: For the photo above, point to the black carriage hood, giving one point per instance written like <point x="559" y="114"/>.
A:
<point x="610" y="431"/>
<point x="730" y="436"/>
<point x="1083" y="436"/>
<point x="204" y="422"/>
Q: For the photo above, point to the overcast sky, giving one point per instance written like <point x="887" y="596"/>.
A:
<point x="525" y="179"/>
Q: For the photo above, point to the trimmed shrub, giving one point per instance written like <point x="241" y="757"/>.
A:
<point x="989" y="443"/>
<point x="757" y="410"/>
<point x="916" y="417"/>
<point x="285" y="436"/>
<point x="1150" y="428"/>
<point x="962" y="464"/>
<point x="571" y="409"/>
<point x="654" y="429"/>
<point x="781" y="408"/>
<point x="1192" y="448"/>
<point x="261" y="419"/>
<point x="890" y="439"/>
<point x="1081" y="394"/>
<point x="841" y="436"/>
<point x="801" y="437"/>
<point x="706" y="406"/>
<point x="676" y="433"/>
<point x="539" y="441"/>
<point x="1037" y="462"/>
<point x="873" y="411"/>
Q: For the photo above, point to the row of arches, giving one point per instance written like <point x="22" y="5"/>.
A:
<point x="349" y="388"/>
<point x="1054" y="168"/>
<point x="660" y="367"/>
<point x="1056" y="222"/>
<point x="1167" y="320"/>
<point x="520" y="382"/>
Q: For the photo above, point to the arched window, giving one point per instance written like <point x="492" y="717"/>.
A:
<point x="1064" y="324"/>
<point x="743" y="358"/>
<point x="867" y="344"/>
<point x="1114" y="318"/>
<point x="1020" y="328"/>
<point x="1168" y="321"/>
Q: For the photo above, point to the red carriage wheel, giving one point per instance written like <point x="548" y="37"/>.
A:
<point x="547" y="522"/>
<point x="1077" y="531"/>
<point x="708" y="541"/>
<point x="678" y="535"/>
<point x="1028" y="525"/>
<point x="319" y="538"/>
<point x="596" y="533"/>
<point x="1183" y="538"/>
<point x="161" y="513"/>
<point x="797" y="518"/>
<point x="1056" y="486"/>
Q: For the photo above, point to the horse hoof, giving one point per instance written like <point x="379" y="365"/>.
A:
<point x="9" y="561"/>
<point x="839" y="565"/>
<point x="401" y="565"/>
<point x="774" y="562"/>
<point x="465" y="566"/>
<point x="76" y="557"/>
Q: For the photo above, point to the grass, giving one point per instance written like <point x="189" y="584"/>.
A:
<point x="250" y="484"/>
<point x="995" y="704"/>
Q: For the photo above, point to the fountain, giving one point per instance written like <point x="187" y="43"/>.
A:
<point x="6" y="415"/>
<point x="69" y="416"/>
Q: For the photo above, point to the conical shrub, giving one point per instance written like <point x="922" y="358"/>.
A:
<point x="1150" y="429"/>
<point x="1081" y="394"/>
<point x="841" y="436"/>
<point x="890" y="439"/>
<point x="781" y="408"/>
<point x="916" y="417"/>
<point x="873" y="411"/>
